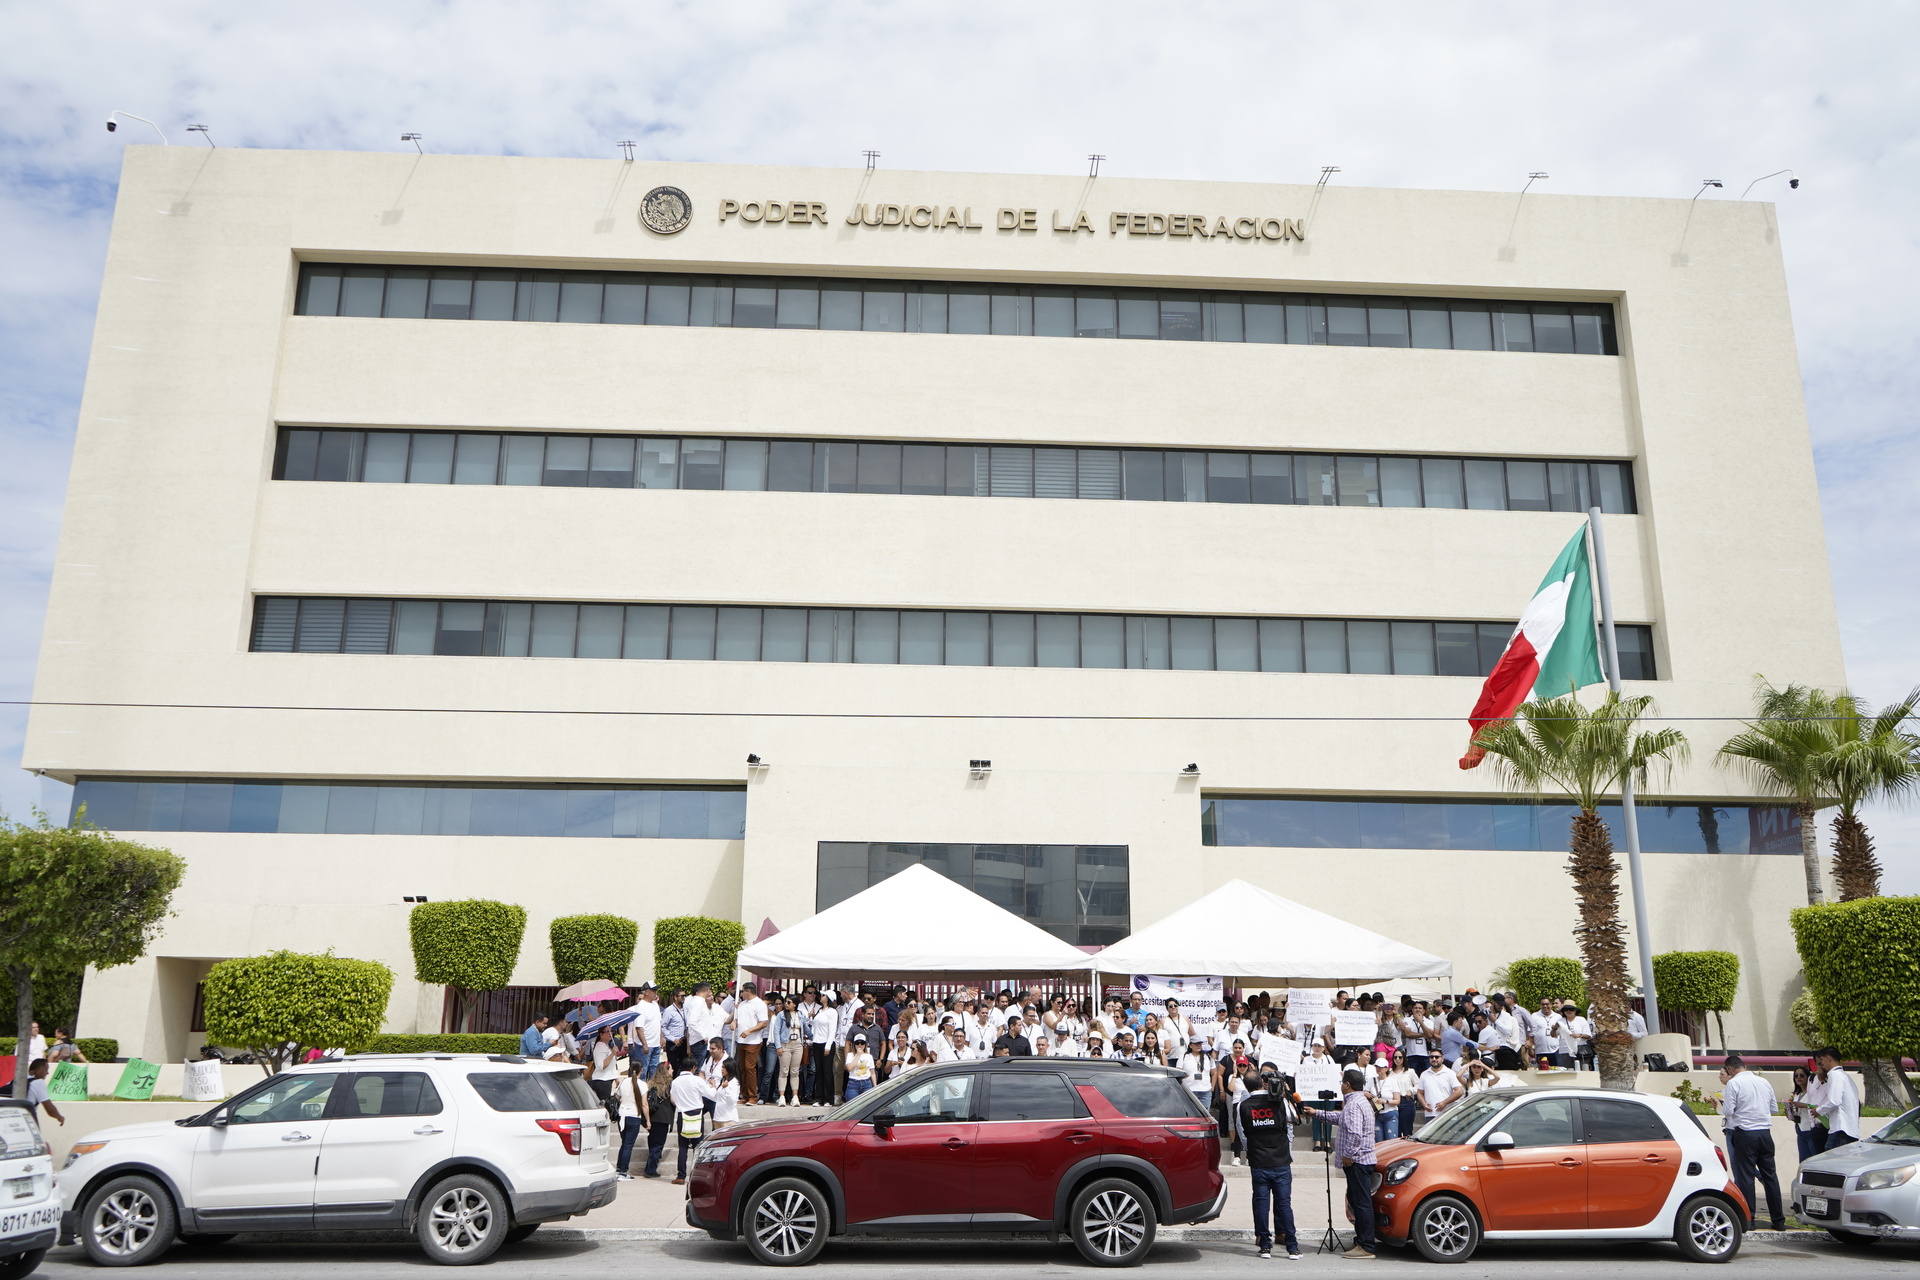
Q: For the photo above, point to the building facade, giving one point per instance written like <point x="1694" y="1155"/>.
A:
<point x="664" y="539"/>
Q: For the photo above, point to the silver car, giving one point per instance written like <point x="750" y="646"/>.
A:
<point x="1866" y="1191"/>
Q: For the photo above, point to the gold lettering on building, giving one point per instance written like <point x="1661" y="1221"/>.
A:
<point x="1186" y="226"/>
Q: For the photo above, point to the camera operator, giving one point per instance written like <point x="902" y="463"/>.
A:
<point x="1267" y="1118"/>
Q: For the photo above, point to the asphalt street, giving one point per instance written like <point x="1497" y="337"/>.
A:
<point x="684" y="1258"/>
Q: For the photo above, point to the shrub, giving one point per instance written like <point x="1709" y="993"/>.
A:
<point x="474" y="1043"/>
<point x="282" y="1004"/>
<point x="97" y="1048"/>
<point x="590" y="948"/>
<point x="1538" y="978"/>
<point x="1862" y="960"/>
<point x="1806" y="1020"/>
<point x="1698" y="980"/>
<point x="693" y="949"/>
<point x="472" y="945"/>
<point x="56" y="1001"/>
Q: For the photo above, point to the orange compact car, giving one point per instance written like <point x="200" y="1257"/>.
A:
<point x="1559" y="1164"/>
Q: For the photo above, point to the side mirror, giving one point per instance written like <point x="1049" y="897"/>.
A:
<point x="1498" y="1142"/>
<point x="220" y="1119"/>
<point x="883" y="1124"/>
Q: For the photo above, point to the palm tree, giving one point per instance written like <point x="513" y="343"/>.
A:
<point x="1871" y="756"/>
<point x="1783" y="750"/>
<point x="1558" y="745"/>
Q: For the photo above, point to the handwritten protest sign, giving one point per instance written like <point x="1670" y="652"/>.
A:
<point x="203" y="1082"/>
<point x="1355" y="1027"/>
<point x="137" y="1081"/>
<point x="68" y="1083"/>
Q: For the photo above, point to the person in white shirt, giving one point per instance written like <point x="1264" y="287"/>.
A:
<point x="1577" y="1039"/>
<point x="646" y="1032"/>
<point x="1439" y="1087"/>
<point x="821" y="1024"/>
<point x="1506" y="1052"/>
<point x="1747" y="1105"/>
<point x="702" y="1024"/>
<point x="1546" y="1040"/>
<point x="726" y="1097"/>
<point x="1177" y="1021"/>
<point x="1197" y="1063"/>
<point x="1398" y="1086"/>
<point x="1803" y="1108"/>
<point x="750" y="1019"/>
<point x="691" y="1096"/>
<point x="1841" y="1105"/>
<point x="1636" y="1024"/>
<point x="605" y="1077"/>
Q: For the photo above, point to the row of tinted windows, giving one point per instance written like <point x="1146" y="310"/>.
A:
<point x="1009" y="471"/>
<point x="1078" y="893"/>
<point x="1496" y="824"/>
<point x="932" y="306"/>
<point x="413" y="809"/>
<point x="925" y="637"/>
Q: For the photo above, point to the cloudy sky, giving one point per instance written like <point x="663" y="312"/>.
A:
<point x="1623" y="99"/>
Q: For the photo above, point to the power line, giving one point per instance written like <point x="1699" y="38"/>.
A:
<point x="839" y="715"/>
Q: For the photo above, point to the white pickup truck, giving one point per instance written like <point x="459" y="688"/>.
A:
<point x="29" y="1204"/>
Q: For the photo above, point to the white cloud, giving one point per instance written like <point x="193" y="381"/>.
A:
<point x="1637" y="99"/>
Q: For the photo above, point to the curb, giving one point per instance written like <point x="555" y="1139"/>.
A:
<point x="1177" y="1235"/>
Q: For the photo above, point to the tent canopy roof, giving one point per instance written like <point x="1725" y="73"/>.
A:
<point x="1243" y="931"/>
<point x="914" y="922"/>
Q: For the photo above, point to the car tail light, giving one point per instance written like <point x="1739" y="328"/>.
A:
<point x="1193" y="1130"/>
<point x="568" y="1131"/>
<point x="1723" y="1157"/>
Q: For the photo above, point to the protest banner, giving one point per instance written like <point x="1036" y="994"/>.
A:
<point x="1281" y="1052"/>
<point x="203" y="1082"/>
<point x="1200" y="998"/>
<point x="68" y="1083"/>
<point x="137" y="1081"/>
<point x="1355" y="1027"/>
<point x="1307" y="1007"/>
<point x="1314" y="1075"/>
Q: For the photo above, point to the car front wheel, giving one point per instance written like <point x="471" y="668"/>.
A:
<point x="1444" y="1229"/>
<point x="785" y="1221"/>
<point x="1707" y="1230"/>
<point x="127" y="1222"/>
<point x="463" y="1220"/>
<point x="1112" y="1223"/>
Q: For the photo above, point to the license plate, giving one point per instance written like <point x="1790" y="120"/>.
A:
<point x="19" y="1188"/>
<point x="1818" y="1206"/>
<point x="28" y="1220"/>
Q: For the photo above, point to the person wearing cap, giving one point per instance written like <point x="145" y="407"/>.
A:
<point x="859" y="1063"/>
<point x="1578" y="1037"/>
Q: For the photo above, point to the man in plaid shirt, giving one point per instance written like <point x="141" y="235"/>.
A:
<point x="1353" y="1144"/>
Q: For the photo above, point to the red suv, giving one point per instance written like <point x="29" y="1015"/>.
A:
<point x="1102" y="1151"/>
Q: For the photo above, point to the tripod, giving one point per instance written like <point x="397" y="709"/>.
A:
<point x="1330" y="1238"/>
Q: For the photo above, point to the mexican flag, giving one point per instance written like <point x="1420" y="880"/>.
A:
<point x="1553" y="651"/>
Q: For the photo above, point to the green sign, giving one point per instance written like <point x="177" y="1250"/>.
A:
<point x="137" y="1081"/>
<point x="68" y="1083"/>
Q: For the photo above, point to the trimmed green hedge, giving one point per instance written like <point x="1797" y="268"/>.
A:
<point x="476" y="1042"/>
<point x="692" y="949"/>
<point x="472" y="944"/>
<point x="1538" y="978"/>
<point x="591" y="948"/>
<point x="1806" y="1020"/>
<point x="1699" y="980"/>
<point x="97" y="1048"/>
<point x="1862" y="960"/>
<point x="279" y="1005"/>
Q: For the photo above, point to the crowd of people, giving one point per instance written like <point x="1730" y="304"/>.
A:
<point x="820" y="1047"/>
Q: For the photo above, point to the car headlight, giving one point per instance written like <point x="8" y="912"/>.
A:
<point x="1399" y="1171"/>
<point x="713" y="1154"/>
<point x="88" y="1148"/>
<point x="1881" y="1179"/>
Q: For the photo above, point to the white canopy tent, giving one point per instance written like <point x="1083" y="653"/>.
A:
<point x="1243" y="931"/>
<point x="914" y="924"/>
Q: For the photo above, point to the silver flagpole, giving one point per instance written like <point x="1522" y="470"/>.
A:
<point x="1629" y="819"/>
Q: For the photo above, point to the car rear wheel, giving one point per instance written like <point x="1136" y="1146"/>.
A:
<point x="127" y="1222"/>
<point x="1853" y="1239"/>
<point x="1112" y="1223"/>
<point x="785" y="1221"/>
<point x="21" y="1264"/>
<point x="1707" y="1230"/>
<point x="463" y="1220"/>
<point x="1444" y="1229"/>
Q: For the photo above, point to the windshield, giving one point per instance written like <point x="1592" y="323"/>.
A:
<point x="1455" y="1126"/>
<point x="1904" y="1132"/>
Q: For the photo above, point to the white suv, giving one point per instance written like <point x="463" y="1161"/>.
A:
<point x="468" y="1151"/>
<point x="29" y="1201"/>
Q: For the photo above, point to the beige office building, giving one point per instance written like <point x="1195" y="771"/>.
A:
<point x="448" y="527"/>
